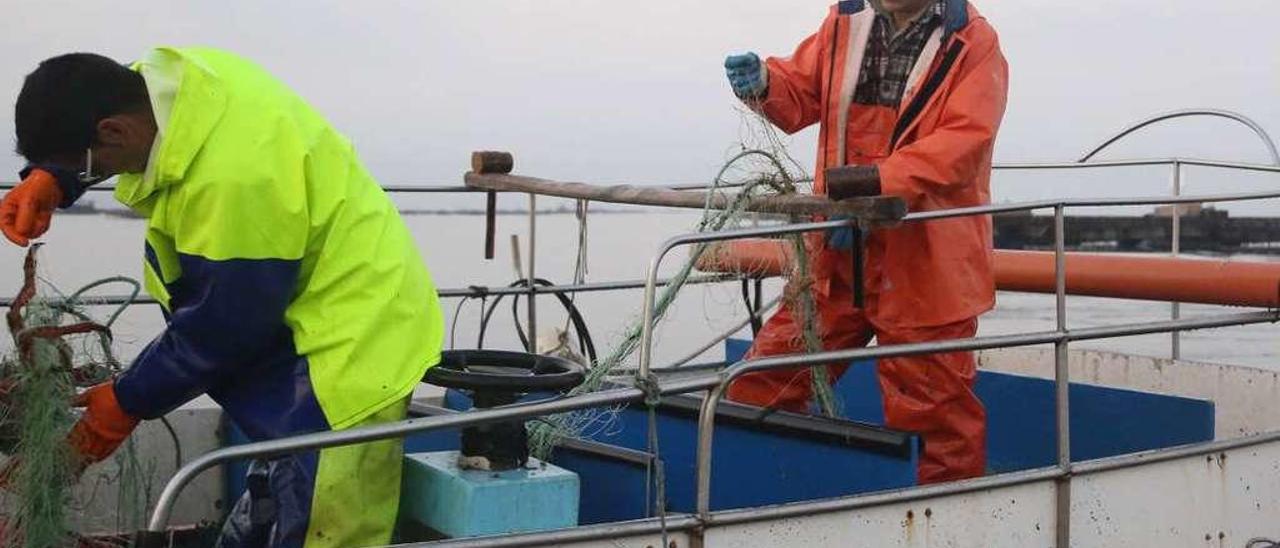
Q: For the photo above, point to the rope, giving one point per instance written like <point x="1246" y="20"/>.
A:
<point x="655" y="469"/>
<point x="543" y="436"/>
<point x="774" y="176"/>
<point x="820" y="380"/>
<point x="40" y="381"/>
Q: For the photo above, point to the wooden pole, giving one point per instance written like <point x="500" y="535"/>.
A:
<point x="490" y="223"/>
<point x="878" y="210"/>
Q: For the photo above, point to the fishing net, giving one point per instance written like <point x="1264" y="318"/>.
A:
<point x="57" y="349"/>
<point x="760" y="167"/>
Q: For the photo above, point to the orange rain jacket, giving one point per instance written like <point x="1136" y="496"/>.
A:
<point x="934" y="151"/>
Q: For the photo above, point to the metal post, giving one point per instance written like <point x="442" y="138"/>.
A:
<point x="533" y="300"/>
<point x="1175" y="248"/>
<point x="1061" y="378"/>
<point x="706" y="433"/>
<point x="650" y="289"/>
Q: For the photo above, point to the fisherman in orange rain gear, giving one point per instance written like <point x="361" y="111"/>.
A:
<point x="908" y="95"/>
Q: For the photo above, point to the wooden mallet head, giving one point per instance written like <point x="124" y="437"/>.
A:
<point x="490" y="161"/>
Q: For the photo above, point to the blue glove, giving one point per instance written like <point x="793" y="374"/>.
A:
<point x="840" y="238"/>
<point x="748" y="77"/>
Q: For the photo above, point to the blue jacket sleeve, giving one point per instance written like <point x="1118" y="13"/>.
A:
<point x="225" y="315"/>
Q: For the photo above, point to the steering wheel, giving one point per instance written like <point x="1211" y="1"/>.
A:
<point x="498" y="371"/>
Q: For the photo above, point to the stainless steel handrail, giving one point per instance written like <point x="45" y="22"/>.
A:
<point x="439" y="188"/>
<point x="719" y="383"/>
<point x="670" y="244"/>
<point x="1061" y="372"/>
<point x="474" y="292"/>
<point x="189" y="471"/>
<point x="1137" y="162"/>
<point x="1242" y="119"/>
<point x="1061" y="473"/>
<point x="1175" y="244"/>
<point x="1001" y="166"/>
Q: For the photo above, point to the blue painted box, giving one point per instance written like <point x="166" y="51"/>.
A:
<point x="1021" y="423"/>
<point x="464" y="503"/>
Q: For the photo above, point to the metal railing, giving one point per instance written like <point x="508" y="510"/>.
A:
<point x="1059" y="338"/>
<point x="1175" y="232"/>
<point x="470" y="292"/>
<point x="718" y="383"/>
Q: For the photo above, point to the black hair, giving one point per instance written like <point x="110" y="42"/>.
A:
<point x="63" y="100"/>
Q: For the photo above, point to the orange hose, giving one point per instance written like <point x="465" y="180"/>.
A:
<point x="1216" y="281"/>
<point x="1207" y="281"/>
<point x="754" y="257"/>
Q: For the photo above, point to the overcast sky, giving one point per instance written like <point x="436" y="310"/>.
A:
<point x="634" y="91"/>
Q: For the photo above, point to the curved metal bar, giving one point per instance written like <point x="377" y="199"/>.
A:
<point x="1137" y="163"/>
<point x="646" y="330"/>
<point x="1186" y="113"/>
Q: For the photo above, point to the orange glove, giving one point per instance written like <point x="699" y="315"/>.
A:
<point x="103" y="427"/>
<point x="26" y="211"/>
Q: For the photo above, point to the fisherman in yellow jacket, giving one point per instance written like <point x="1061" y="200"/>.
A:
<point x="294" y="294"/>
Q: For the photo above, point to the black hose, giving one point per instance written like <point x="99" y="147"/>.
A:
<point x="177" y="443"/>
<point x="585" y="344"/>
<point x="753" y="306"/>
<point x="457" y="312"/>
<point x="572" y="309"/>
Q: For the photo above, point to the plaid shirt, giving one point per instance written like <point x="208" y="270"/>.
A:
<point x="890" y="57"/>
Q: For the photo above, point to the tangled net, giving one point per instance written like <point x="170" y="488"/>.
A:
<point x="57" y="349"/>
<point x="763" y="169"/>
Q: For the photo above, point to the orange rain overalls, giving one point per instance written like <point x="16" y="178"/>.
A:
<point x="924" y="281"/>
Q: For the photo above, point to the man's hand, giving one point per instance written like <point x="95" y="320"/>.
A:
<point x="840" y="238"/>
<point x="748" y="77"/>
<point x="103" y="427"/>
<point x="27" y="210"/>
